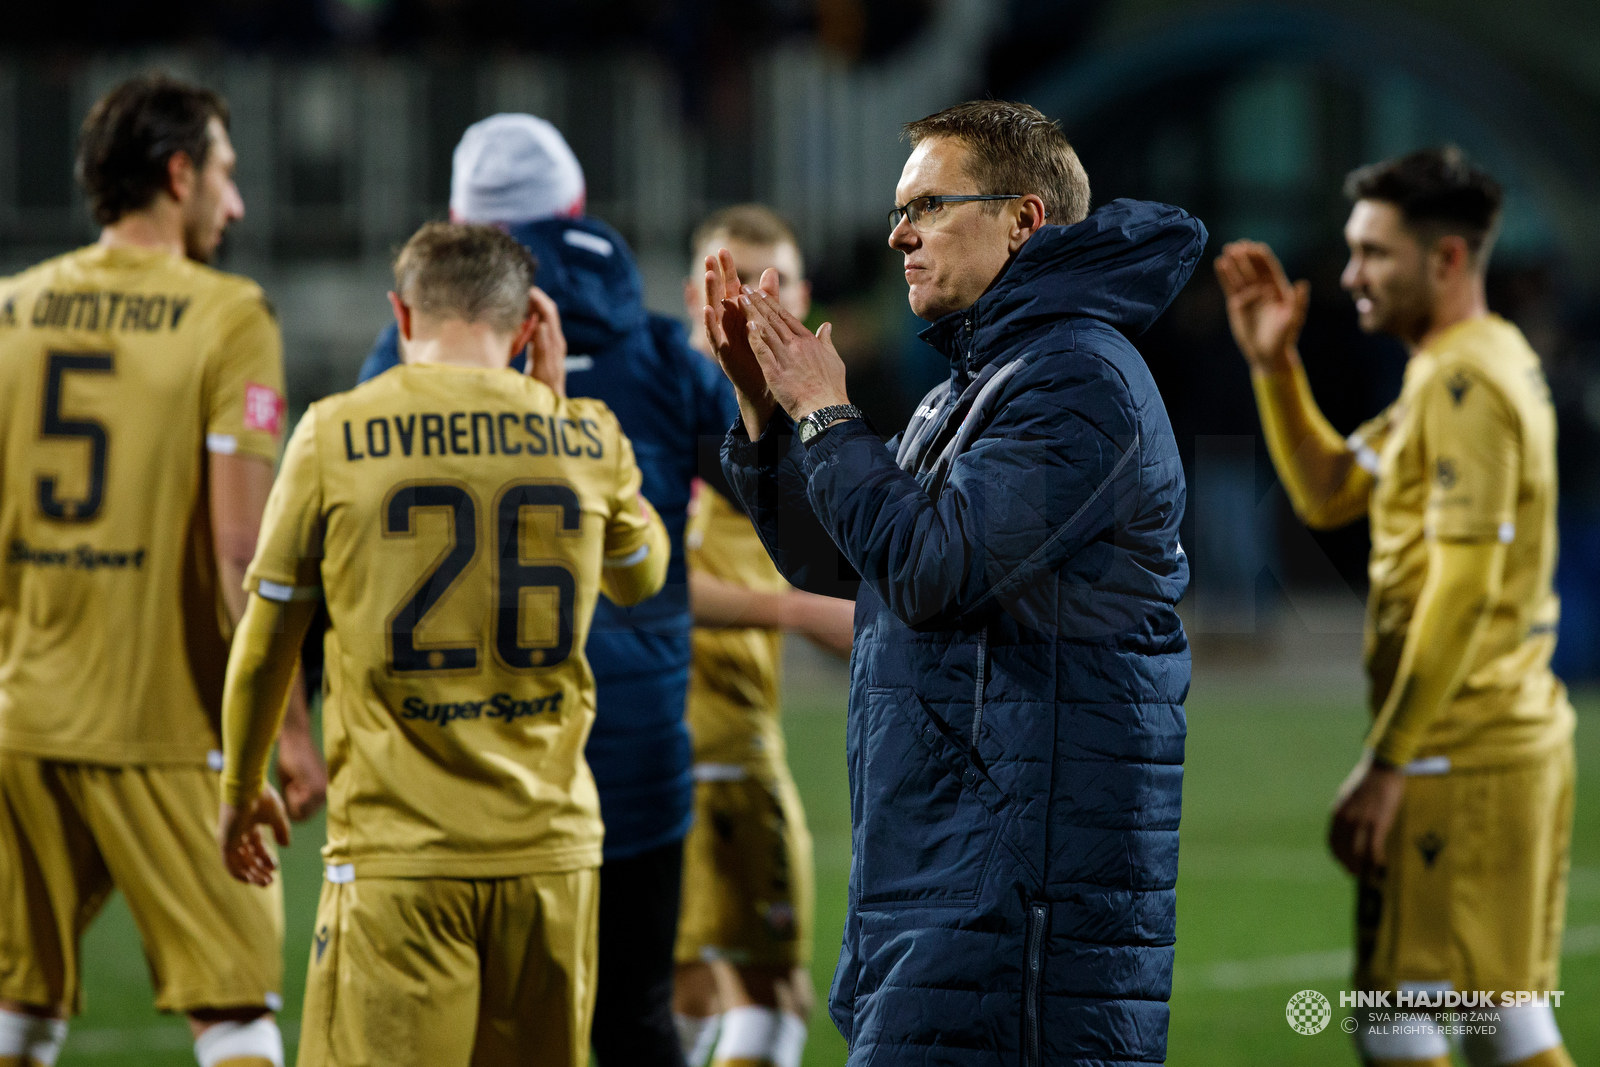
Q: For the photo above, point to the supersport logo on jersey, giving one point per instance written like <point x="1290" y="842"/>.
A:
<point x="500" y="706"/>
<point x="263" y="409"/>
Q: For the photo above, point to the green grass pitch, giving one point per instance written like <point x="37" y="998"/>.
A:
<point x="1262" y="910"/>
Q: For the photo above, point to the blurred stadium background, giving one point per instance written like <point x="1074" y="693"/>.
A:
<point x="345" y="112"/>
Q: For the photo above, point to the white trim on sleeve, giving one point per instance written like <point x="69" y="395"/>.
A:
<point x="223" y="444"/>
<point x="719" y="772"/>
<point x="1366" y="458"/>
<point x="283" y="594"/>
<point x="638" y="555"/>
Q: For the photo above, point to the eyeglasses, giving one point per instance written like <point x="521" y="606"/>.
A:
<point x="917" y="209"/>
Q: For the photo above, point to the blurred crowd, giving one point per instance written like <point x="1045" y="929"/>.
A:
<point x="1256" y="147"/>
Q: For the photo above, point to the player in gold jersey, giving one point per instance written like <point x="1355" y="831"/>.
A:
<point x="1457" y="820"/>
<point x="460" y="521"/>
<point x="744" y="938"/>
<point x="141" y="403"/>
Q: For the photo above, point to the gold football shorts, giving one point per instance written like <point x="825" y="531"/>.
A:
<point x="748" y="886"/>
<point x="1475" y="893"/>
<point x="71" y="832"/>
<point x="446" y="972"/>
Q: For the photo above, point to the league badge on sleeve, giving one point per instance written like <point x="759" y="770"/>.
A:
<point x="263" y="409"/>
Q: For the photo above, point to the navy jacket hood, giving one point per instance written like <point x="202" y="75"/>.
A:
<point x="588" y="270"/>
<point x="1123" y="265"/>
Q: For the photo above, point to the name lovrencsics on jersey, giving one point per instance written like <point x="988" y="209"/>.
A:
<point x="472" y="433"/>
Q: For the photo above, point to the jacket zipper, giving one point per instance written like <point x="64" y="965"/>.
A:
<point x="1033" y="984"/>
<point x="977" y="696"/>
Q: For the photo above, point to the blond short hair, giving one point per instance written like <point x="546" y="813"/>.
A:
<point x="467" y="271"/>
<point x="1015" y="149"/>
<point x="753" y="224"/>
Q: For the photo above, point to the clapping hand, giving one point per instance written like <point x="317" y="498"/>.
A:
<point x="1265" y="312"/>
<point x="803" y="371"/>
<point x="728" y="331"/>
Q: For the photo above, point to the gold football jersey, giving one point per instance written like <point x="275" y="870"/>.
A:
<point x="1467" y="453"/>
<point x="458" y="523"/>
<point x="119" y="368"/>
<point x="735" y="673"/>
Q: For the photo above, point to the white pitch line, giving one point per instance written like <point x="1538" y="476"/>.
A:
<point x="103" y="1042"/>
<point x="1267" y="970"/>
<point x="163" y="1037"/>
<point x="1233" y="975"/>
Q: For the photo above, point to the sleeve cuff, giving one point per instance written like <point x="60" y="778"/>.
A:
<point x="829" y="441"/>
<point x="769" y="450"/>
<point x="1394" y="749"/>
<point x="235" y="794"/>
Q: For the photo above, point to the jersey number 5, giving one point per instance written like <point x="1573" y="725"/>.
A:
<point x="514" y="576"/>
<point x="53" y="424"/>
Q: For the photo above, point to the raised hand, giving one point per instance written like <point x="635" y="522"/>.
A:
<point x="1265" y="312"/>
<point x="728" y="333"/>
<point x="547" y="348"/>
<point x="243" y="852"/>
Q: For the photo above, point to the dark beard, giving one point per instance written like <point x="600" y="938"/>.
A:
<point x="1409" y="314"/>
<point x="1409" y="322"/>
<point x="193" y="249"/>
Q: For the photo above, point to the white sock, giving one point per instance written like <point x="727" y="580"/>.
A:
<point x="696" y="1036"/>
<point x="31" y="1037"/>
<point x="1380" y="1036"/>
<point x="258" y="1039"/>
<point x="748" y="1033"/>
<point x="791" y="1043"/>
<point x="1521" y="1032"/>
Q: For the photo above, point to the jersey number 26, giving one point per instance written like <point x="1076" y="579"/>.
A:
<point x="513" y="575"/>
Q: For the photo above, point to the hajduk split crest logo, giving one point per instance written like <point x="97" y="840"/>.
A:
<point x="1308" y="1012"/>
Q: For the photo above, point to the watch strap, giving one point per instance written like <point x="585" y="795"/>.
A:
<point x="817" y="421"/>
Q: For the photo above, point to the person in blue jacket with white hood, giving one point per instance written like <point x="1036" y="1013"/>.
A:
<point x="1016" y="723"/>
<point x="517" y="171"/>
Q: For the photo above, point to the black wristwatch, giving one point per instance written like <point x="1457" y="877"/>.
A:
<point x="809" y="427"/>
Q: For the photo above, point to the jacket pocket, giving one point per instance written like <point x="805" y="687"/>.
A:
<point x="1033" y="984"/>
<point x="930" y="817"/>
<point x="951" y="750"/>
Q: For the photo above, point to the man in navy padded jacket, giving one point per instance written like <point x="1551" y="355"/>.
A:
<point x="1016" y="725"/>
<point x="516" y="170"/>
